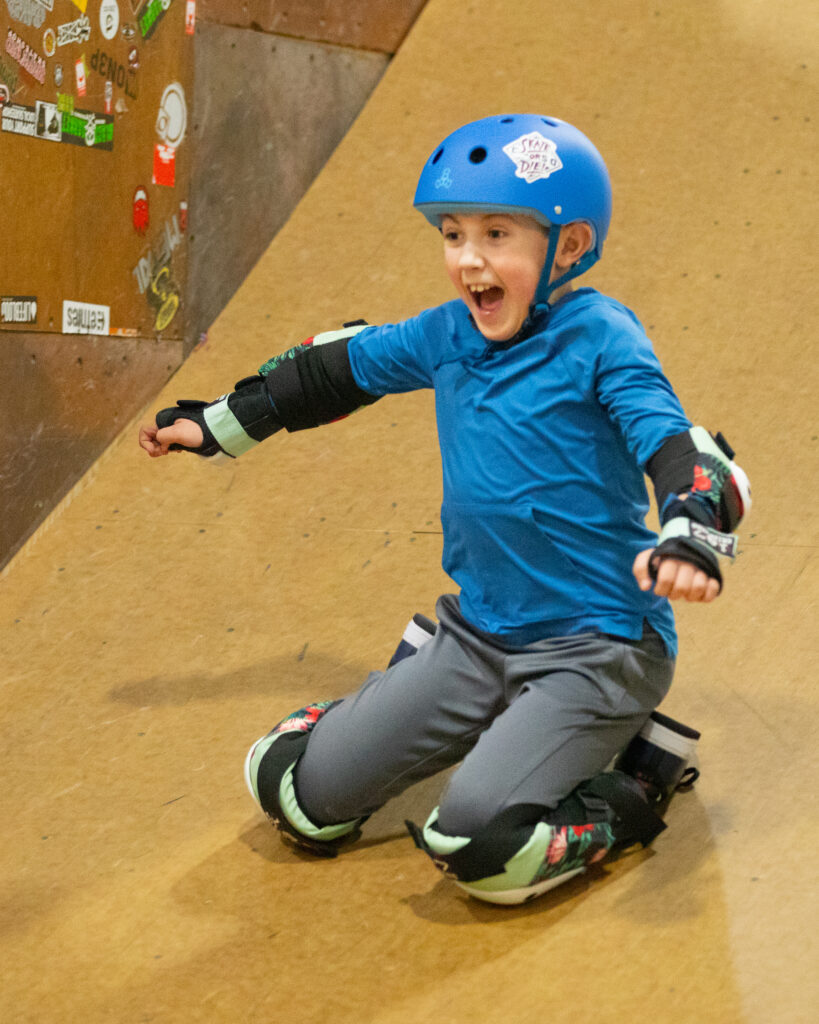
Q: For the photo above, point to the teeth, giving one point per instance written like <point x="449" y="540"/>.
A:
<point x="479" y="287"/>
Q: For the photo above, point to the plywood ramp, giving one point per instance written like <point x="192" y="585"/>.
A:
<point x="168" y="612"/>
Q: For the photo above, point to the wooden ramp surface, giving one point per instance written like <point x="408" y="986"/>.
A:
<point x="169" y="612"/>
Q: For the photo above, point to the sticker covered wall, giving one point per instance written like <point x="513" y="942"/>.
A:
<point x="93" y="125"/>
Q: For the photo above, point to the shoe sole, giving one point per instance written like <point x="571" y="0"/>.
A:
<point x="514" y="897"/>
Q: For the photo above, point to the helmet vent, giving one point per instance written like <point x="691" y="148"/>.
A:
<point x="550" y="122"/>
<point x="438" y="155"/>
<point x="478" y="155"/>
<point x="507" y="120"/>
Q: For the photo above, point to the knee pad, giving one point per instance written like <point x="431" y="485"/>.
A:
<point x="662" y="757"/>
<point x="269" y="768"/>
<point x="523" y="853"/>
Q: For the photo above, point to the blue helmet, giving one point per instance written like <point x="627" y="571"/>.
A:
<point x="521" y="163"/>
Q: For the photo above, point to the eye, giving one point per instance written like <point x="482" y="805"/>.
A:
<point x="450" y="234"/>
<point x="496" y="233"/>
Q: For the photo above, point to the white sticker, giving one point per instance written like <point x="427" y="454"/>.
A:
<point x="85" y="318"/>
<point x="534" y="157"/>
<point x="172" y="118"/>
<point x="109" y="18"/>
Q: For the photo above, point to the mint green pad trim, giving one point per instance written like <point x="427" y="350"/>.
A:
<point x="437" y="841"/>
<point x="519" y="871"/>
<point x="703" y="442"/>
<point x="522" y="869"/>
<point x="345" y="332"/>
<point x="294" y="814"/>
<point x="724" y="544"/>
<point x="230" y="435"/>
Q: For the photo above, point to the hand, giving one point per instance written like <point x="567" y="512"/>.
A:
<point x="156" y="442"/>
<point x="675" y="579"/>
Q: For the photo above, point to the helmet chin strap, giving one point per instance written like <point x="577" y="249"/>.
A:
<point x="545" y="285"/>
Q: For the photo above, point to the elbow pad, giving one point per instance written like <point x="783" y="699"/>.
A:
<point x="702" y="496"/>
<point x="313" y="383"/>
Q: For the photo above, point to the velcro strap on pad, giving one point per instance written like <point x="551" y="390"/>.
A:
<point x="724" y="544"/>
<point x="229" y="433"/>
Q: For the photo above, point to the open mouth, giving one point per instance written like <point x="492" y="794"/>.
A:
<point x="487" y="297"/>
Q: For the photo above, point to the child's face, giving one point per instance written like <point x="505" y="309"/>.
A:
<point x="495" y="261"/>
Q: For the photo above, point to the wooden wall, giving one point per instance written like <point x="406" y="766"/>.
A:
<point x="151" y="150"/>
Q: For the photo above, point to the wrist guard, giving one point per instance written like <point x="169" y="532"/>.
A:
<point x="702" y="496"/>
<point x="306" y="386"/>
<point x="231" y="425"/>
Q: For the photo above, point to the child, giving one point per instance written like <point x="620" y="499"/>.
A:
<point x="550" y="405"/>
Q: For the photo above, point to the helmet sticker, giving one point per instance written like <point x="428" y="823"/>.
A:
<point x="534" y="157"/>
<point x="445" y="180"/>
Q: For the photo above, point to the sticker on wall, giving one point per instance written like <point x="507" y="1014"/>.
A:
<point x="133" y="58"/>
<point x="109" y="96"/>
<point x="28" y="59"/>
<point x="8" y="75"/>
<point x="190" y="17"/>
<point x="18" y="309"/>
<point x="18" y="120"/>
<point x="172" y="118"/>
<point x="28" y="12"/>
<point x="58" y="75"/>
<point x="153" y="13"/>
<point x="116" y="73"/>
<point x="183" y="216"/>
<point x="48" y="121"/>
<point x="76" y="31"/>
<point x="164" y="165"/>
<point x="109" y="18"/>
<point x="82" y="4"/>
<point x="49" y="42"/>
<point x="158" y="255"/>
<point x="49" y="124"/>
<point x="85" y="318"/>
<point x="5" y="95"/>
<point x="163" y="295"/>
<point x="141" y="215"/>
<point x="79" y="68"/>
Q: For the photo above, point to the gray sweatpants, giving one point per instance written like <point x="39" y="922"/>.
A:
<point x="528" y="723"/>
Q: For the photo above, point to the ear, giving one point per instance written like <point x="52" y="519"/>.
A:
<point x="574" y="242"/>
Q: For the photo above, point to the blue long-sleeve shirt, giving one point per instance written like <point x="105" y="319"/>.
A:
<point x="543" y="444"/>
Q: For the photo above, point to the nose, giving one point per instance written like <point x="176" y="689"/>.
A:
<point x="470" y="256"/>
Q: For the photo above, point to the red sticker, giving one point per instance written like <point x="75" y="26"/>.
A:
<point x="79" y="67"/>
<point x="141" y="214"/>
<point x="164" y="165"/>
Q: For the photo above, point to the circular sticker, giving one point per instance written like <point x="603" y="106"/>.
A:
<point x="109" y="18"/>
<point x="172" y="118"/>
<point x="50" y="42"/>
